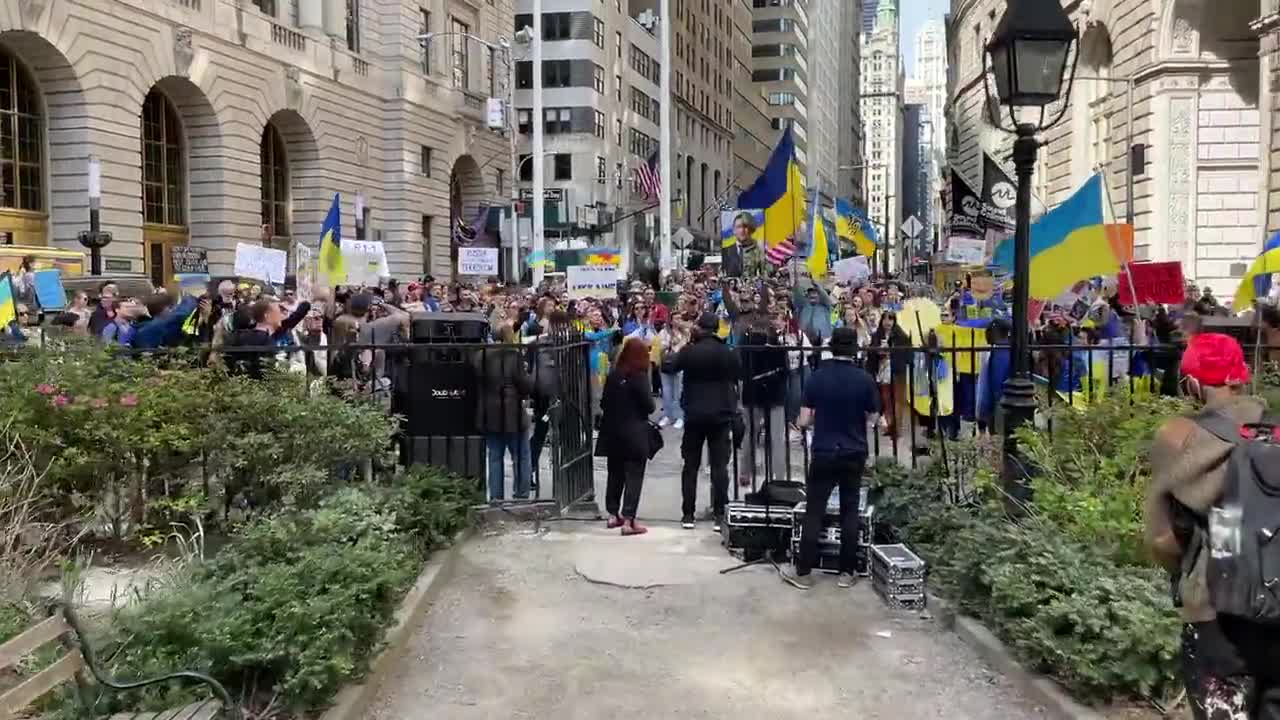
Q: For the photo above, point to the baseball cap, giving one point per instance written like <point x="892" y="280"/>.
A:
<point x="844" y="342"/>
<point x="1215" y="359"/>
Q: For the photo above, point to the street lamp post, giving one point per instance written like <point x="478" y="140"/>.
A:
<point x="94" y="238"/>
<point x="1028" y="53"/>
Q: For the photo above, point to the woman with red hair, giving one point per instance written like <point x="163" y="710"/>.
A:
<point x="625" y="405"/>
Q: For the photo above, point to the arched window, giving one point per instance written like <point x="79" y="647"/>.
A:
<point x="163" y="176"/>
<point x="21" y="142"/>
<point x="275" y="181"/>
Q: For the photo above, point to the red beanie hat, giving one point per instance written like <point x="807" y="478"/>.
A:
<point x="1215" y="359"/>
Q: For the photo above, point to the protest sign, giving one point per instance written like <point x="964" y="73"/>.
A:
<point x="477" y="261"/>
<point x="260" y="263"/>
<point x="365" y="261"/>
<point x="599" y="281"/>
<point x="965" y="250"/>
<point x="303" y="271"/>
<point x="192" y="283"/>
<point x="852" y="270"/>
<point x="1151" y="282"/>
<point x="188" y="260"/>
<point x="48" y="287"/>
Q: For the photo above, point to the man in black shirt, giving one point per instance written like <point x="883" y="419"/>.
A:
<point x="838" y="401"/>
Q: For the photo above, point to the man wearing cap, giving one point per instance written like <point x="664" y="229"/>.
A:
<point x="1229" y="663"/>
<point x="838" y="401"/>
<point x="710" y="403"/>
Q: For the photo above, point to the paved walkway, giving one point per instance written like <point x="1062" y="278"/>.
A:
<point x="536" y="625"/>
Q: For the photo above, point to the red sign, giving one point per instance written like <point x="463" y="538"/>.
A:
<point x="1151" y="282"/>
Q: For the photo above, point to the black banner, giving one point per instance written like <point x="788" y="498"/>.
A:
<point x="999" y="196"/>
<point x="187" y="259"/>
<point x="966" y="208"/>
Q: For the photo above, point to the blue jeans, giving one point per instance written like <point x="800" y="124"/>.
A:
<point x="518" y="444"/>
<point x="672" y="386"/>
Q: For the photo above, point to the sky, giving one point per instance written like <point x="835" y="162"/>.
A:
<point x="914" y="15"/>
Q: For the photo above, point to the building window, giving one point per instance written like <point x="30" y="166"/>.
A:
<point x="563" y="166"/>
<point x="163" y="180"/>
<point x="275" y="181"/>
<point x="424" y="160"/>
<point x="617" y="175"/>
<point x="353" y="25"/>
<point x="460" y="44"/>
<point x="524" y="122"/>
<point x="424" y="27"/>
<point x="617" y="39"/>
<point x="557" y="26"/>
<point x="426" y="244"/>
<point x="617" y="88"/>
<point x="597" y="34"/>
<point x="599" y="125"/>
<point x="597" y="78"/>
<point x="526" y="168"/>
<point x="21" y="162"/>
<point x="268" y="7"/>
<point x="617" y="131"/>
<point x="602" y="174"/>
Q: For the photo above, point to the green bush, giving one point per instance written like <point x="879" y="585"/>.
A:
<point x="1091" y="474"/>
<point x="1067" y="608"/>
<point x="431" y="506"/>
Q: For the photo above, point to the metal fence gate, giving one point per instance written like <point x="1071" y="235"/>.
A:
<point x="572" y="472"/>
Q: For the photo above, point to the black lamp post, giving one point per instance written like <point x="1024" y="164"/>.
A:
<point x="1028" y="51"/>
<point x="94" y="239"/>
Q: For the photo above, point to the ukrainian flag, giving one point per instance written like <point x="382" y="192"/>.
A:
<point x="853" y="224"/>
<point x="779" y="191"/>
<point x="1071" y="243"/>
<point x="1257" y="282"/>
<point x="818" y="252"/>
<point x="333" y="270"/>
<point x="8" y="307"/>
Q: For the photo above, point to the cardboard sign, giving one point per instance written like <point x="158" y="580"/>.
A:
<point x="259" y="263"/>
<point x="365" y="261"/>
<point x="598" y="281"/>
<point x="1152" y="282"/>
<point x="477" y="261"/>
<point x="48" y="289"/>
<point x="303" y="271"/>
<point x="852" y="271"/>
<point x="965" y="250"/>
<point x="189" y="260"/>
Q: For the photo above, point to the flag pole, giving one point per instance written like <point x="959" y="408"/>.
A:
<point x="664" y="142"/>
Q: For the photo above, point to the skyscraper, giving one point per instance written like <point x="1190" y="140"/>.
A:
<point x="779" y="68"/>
<point x="882" y="113"/>
<point x="825" y="38"/>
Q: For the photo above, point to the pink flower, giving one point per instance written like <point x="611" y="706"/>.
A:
<point x="46" y="389"/>
<point x="98" y="403"/>
<point x="61" y="401"/>
<point x="129" y="400"/>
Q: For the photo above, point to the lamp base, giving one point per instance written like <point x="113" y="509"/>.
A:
<point x="1019" y="403"/>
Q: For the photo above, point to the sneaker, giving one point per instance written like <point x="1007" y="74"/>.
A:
<point x="663" y="422"/>
<point x="631" y="527"/>
<point x="715" y="524"/>
<point x="679" y="425"/>
<point x="846" y="580"/>
<point x="795" y="580"/>
<point x="615" y="522"/>
<point x="686" y="522"/>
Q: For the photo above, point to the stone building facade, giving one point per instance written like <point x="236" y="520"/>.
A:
<point x="1182" y="78"/>
<point x="226" y="121"/>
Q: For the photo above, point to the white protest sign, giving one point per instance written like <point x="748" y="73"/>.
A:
<point x="965" y="250"/>
<point x="260" y="263"/>
<point x="477" y="261"/>
<point x="365" y="261"/>
<point x="303" y="269"/>
<point x="599" y="281"/>
<point x="852" y="270"/>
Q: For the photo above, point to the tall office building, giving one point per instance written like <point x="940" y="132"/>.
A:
<point x="780" y="66"/>
<point x="825" y="38"/>
<point x="753" y="134"/>
<point x="869" y="9"/>
<point x="882" y="112"/>
<point x="221" y="123"/>
<point x="851" y="135"/>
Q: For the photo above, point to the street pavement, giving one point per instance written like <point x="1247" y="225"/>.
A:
<point x="570" y="621"/>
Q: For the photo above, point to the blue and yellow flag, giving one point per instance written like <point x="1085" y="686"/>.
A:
<point x="8" y="307"/>
<point x="818" y="251"/>
<point x="333" y="270"/>
<point x="853" y="224"/>
<point x="779" y="191"/>
<point x="1257" y="282"/>
<point x="1071" y="243"/>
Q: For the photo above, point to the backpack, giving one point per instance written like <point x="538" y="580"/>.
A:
<point x="1243" y="532"/>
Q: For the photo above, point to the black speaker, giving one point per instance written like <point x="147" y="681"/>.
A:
<point x="440" y="394"/>
<point x="464" y="455"/>
<point x="463" y="327"/>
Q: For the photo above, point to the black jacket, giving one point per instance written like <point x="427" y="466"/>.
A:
<point x="502" y="385"/>
<point x="898" y="359"/>
<point x="625" y="405"/>
<point x="764" y="371"/>
<point x="711" y="371"/>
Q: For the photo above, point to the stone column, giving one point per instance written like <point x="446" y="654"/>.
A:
<point x="335" y="19"/>
<point x="311" y="16"/>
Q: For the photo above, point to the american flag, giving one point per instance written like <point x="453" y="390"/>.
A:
<point x="780" y="253"/>
<point x="649" y="178"/>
